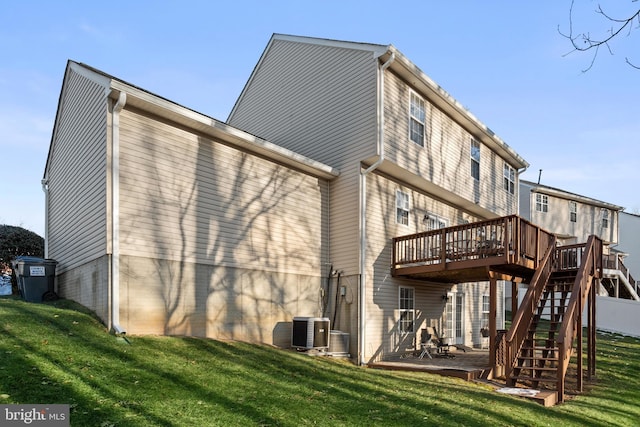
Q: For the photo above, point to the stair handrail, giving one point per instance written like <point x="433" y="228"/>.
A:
<point x="590" y="266"/>
<point x="522" y="319"/>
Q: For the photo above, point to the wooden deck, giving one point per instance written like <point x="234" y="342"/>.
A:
<point x="469" y="365"/>
<point x="508" y="247"/>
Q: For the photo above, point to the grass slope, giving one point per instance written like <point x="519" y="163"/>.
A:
<point x="58" y="353"/>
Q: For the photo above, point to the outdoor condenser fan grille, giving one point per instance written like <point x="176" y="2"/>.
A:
<point x="310" y="333"/>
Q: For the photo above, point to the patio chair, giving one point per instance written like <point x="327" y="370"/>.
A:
<point x="442" y="348"/>
<point x="425" y="344"/>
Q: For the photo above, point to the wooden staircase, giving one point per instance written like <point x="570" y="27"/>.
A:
<point x="541" y="340"/>
<point x="537" y="361"/>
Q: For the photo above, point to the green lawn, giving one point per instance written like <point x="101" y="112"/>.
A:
<point x="58" y="353"/>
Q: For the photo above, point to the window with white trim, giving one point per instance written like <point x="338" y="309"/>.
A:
<point x="573" y="211"/>
<point x="509" y="178"/>
<point x="485" y="311"/>
<point x="402" y="207"/>
<point x="433" y="222"/>
<point x="406" y="305"/>
<point x="605" y="218"/>
<point x="542" y="202"/>
<point x="417" y="117"/>
<point x="475" y="159"/>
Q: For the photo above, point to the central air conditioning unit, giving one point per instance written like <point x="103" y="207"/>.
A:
<point x="310" y="333"/>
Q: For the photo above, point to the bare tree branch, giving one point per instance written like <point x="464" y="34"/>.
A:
<point x="584" y="41"/>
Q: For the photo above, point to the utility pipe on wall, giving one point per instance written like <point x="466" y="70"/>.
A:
<point x="115" y="213"/>
<point x="363" y="207"/>
<point x="45" y="188"/>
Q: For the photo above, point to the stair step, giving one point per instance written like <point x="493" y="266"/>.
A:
<point x="540" y="348"/>
<point x="537" y="368"/>
<point x="533" y="358"/>
<point x="530" y="378"/>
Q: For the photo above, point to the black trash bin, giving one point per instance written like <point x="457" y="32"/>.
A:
<point x="35" y="277"/>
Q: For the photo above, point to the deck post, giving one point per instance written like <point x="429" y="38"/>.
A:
<point x="579" y="339"/>
<point x="493" y="309"/>
<point x="591" y="369"/>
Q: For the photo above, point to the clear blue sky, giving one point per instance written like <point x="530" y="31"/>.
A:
<point x="502" y="60"/>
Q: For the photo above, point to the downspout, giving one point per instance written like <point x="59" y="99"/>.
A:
<point x="45" y="189"/>
<point x="115" y="213"/>
<point x="518" y="173"/>
<point x="363" y="207"/>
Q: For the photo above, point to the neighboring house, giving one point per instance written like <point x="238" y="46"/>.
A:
<point x="166" y="221"/>
<point x="411" y="159"/>
<point x="573" y="218"/>
<point x="629" y="241"/>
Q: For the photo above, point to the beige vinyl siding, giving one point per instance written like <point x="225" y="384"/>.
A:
<point x="445" y="157"/>
<point x="318" y="101"/>
<point x="186" y="198"/>
<point x="78" y="175"/>
<point x="383" y="337"/>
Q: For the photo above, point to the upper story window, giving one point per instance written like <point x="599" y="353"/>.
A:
<point x="573" y="211"/>
<point x="509" y="181"/>
<point x="542" y="202"/>
<point x="475" y="159"/>
<point x="406" y="305"/>
<point x="417" y="119"/>
<point x="605" y="218"/>
<point x="402" y="207"/>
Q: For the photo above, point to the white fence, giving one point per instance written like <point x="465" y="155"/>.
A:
<point x="617" y="315"/>
<point x="612" y="314"/>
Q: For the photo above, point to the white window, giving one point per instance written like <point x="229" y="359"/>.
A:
<point x="605" y="218"/>
<point x="406" y="303"/>
<point x="475" y="159"/>
<point x="485" y="311"/>
<point x="573" y="211"/>
<point x="433" y="222"/>
<point x="509" y="181"/>
<point x="402" y="207"/>
<point x="542" y="202"/>
<point x="417" y="119"/>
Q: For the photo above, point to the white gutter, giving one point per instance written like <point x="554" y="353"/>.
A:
<point x="363" y="207"/>
<point x="115" y="213"/>
<point x="45" y="188"/>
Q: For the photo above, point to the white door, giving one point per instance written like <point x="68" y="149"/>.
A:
<point x="454" y="318"/>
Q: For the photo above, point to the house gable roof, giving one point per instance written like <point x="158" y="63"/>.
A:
<point x="557" y="192"/>
<point x="200" y="123"/>
<point x="412" y="74"/>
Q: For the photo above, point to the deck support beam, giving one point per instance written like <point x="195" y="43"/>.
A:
<point x="493" y="330"/>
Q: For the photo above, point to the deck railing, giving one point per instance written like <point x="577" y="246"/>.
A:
<point x="612" y="262"/>
<point x="571" y="327"/>
<point x="512" y="238"/>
